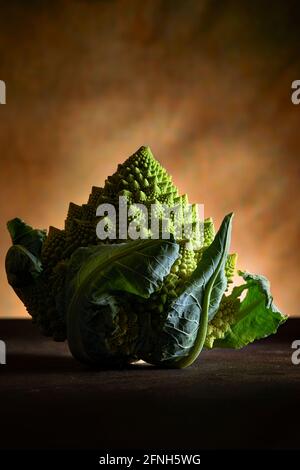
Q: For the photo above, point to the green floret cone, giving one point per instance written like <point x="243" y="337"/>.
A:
<point x="141" y="179"/>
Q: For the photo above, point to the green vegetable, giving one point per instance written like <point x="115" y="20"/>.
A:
<point x="105" y="321"/>
<point x="120" y="300"/>
<point x="240" y="322"/>
<point x="182" y="335"/>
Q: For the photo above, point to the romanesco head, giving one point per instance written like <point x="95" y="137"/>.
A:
<point x="140" y="180"/>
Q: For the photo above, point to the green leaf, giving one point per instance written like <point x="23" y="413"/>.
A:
<point x="26" y="236"/>
<point x="256" y="317"/>
<point x="22" y="267"/>
<point x="103" y="280"/>
<point x="184" y="330"/>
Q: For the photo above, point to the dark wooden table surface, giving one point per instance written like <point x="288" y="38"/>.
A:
<point x="227" y="399"/>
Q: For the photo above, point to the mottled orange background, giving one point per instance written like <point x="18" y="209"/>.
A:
<point x="207" y="84"/>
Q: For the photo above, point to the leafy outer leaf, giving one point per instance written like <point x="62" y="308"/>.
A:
<point x="184" y="331"/>
<point x="257" y="316"/>
<point x="22" y="267"/>
<point x="26" y="236"/>
<point x="218" y="290"/>
<point x="97" y="275"/>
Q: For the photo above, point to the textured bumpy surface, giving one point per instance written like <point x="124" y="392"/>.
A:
<point x="120" y="300"/>
<point x="141" y="179"/>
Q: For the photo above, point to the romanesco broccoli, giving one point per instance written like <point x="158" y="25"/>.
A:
<point x="153" y="300"/>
